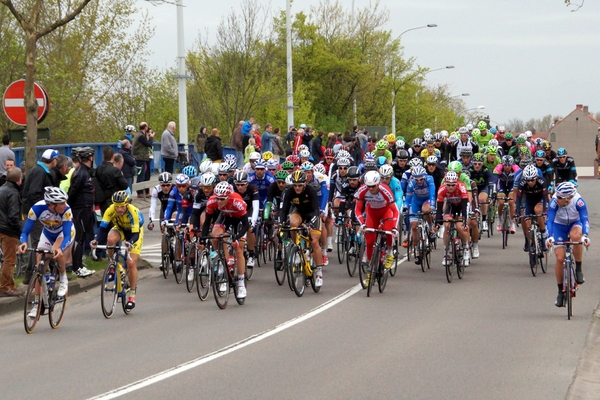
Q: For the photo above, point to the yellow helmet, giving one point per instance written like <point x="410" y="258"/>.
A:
<point x="267" y="155"/>
<point x="391" y="138"/>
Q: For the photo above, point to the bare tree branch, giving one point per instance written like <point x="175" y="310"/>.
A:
<point x="67" y="18"/>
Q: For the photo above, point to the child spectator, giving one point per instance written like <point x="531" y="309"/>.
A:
<point x="249" y="149"/>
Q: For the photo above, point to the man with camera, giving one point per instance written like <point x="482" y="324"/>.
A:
<point x="142" y="151"/>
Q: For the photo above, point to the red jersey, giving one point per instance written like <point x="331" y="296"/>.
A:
<point x="454" y="198"/>
<point x="234" y="208"/>
<point x="381" y="201"/>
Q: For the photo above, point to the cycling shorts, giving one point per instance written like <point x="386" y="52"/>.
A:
<point x="47" y="239"/>
<point x="453" y="210"/>
<point x="316" y="226"/>
<point x="415" y="207"/>
<point x="561" y="232"/>
<point x="136" y="248"/>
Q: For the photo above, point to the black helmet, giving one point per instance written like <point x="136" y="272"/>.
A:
<point x="298" y="177"/>
<point x="353" y="172"/>
<point x="370" y="166"/>
<point x="402" y="154"/>
<point x="85" y="153"/>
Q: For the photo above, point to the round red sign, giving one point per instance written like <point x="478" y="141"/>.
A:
<point x="13" y="102"/>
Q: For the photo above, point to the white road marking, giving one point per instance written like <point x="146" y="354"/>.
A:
<point x="123" y="390"/>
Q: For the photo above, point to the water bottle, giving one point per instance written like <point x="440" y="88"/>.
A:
<point x="213" y="256"/>
<point x="50" y="281"/>
<point x="122" y="273"/>
<point x="307" y="254"/>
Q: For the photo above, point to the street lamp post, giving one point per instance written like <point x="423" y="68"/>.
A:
<point x="392" y="74"/>
<point x="459" y="95"/>
<point x="467" y="110"/>
<point x="439" y="69"/>
<point x="417" y="94"/>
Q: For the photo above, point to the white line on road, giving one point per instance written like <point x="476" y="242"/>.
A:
<point x="231" y="348"/>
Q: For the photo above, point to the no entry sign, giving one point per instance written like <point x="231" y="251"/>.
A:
<point x="13" y="102"/>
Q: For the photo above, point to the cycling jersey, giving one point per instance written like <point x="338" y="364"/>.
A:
<point x="251" y="198"/>
<point x="198" y="208"/>
<point x="504" y="181"/>
<point x="156" y="196"/>
<point x="306" y="204"/>
<point x="387" y="154"/>
<point x="425" y="153"/>
<point x="338" y="182"/>
<point x="398" y="170"/>
<point x="482" y="140"/>
<point x="347" y="197"/>
<point x="438" y="176"/>
<point x="418" y="194"/>
<point x="231" y="214"/>
<point x="456" y="201"/>
<point x="130" y="223"/>
<point x="562" y="219"/>
<point x="482" y="178"/>
<point x="321" y="185"/>
<point x="53" y="224"/>
<point x="273" y="200"/>
<point x="460" y="146"/>
<point x="518" y="175"/>
<point x="534" y="194"/>
<point x="262" y="185"/>
<point x="493" y="164"/>
<point x="381" y="200"/>
<point x="547" y="172"/>
<point x="396" y="189"/>
<point x="565" y="171"/>
<point x="182" y="203"/>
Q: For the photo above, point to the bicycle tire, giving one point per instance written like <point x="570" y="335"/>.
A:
<point x="408" y="245"/>
<point x="30" y="302"/>
<point x="373" y="268"/>
<point x="397" y="245"/>
<point x="108" y="291"/>
<point x="203" y="276"/>
<point x="178" y="264"/>
<point x="421" y="249"/>
<point x="351" y="259"/>
<point x="363" y="267"/>
<point x="296" y="273"/>
<point x="166" y="256"/>
<point x="264" y="246"/>
<point x="568" y="291"/>
<point x="258" y="234"/>
<point x="427" y="257"/>
<point x="125" y="293"/>
<point x="341" y="238"/>
<point x="533" y="252"/>
<point x="249" y="271"/>
<point x="382" y="278"/>
<point x="56" y="308"/>
<point x="189" y="283"/>
<point x="271" y="249"/>
<point x="449" y="254"/>
<point x="543" y="258"/>
<point x="542" y="255"/>
<point x="286" y="259"/>
<point x="220" y="283"/>
<point x="279" y="267"/>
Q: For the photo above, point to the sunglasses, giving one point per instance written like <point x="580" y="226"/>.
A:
<point x="562" y="156"/>
<point x="450" y="184"/>
<point x="224" y="174"/>
<point x="240" y="184"/>
<point x="432" y="165"/>
<point x="182" y="186"/>
<point x="222" y="198"/>
<point x="298" y="184"/>
<point x="372" y="186"/>
<point x="352" y="179"/>
<point x="343" y="168"/>
<point x="477" y="163"/>
<point x="165" y="184"/>
<point x="562" y="198"/>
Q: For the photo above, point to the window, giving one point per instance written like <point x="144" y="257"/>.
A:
<point x="553" y="137"/>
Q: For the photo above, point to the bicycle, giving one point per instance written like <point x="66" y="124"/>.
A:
<point x="42" y="294"/>
<point x="179" y="247"/>
<point x="341" y="239"/>
<point x="569" y="280"/>
<point x="189" y="249"/>
<point x="423" y="247"/>
<point x="354" y="243"/>
<point x="453" y="252"/>
<point x="377" y="270"/>
<point x="167" y="247"/>
<point x="300" y="261"/>
<point x="536" y="249"/>
<point x="115" y="283"/>
<point x="20" y="264"/>
<point x="223" y="275"/>
<point x="281" y="248"/>
<point x="505" y="224"/>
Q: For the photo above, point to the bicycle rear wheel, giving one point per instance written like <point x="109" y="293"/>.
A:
<point x="220" y="283"/>
<point x="382" y="278"/>
<point x="166" y="256"/>
<point x="352" y="256"/>
<point x="363" y="266"/>
<point x="108" y="290"/>
<point x="342" y="240"/>
<point x="190" y="279"/>
<point x="125" y="293"/>
<point x="373" y="268"/>
<point x="203" y="277"/>
<point x="459" y="259"/>
<point x="57" y="304"/>
<point x="31" y="302"/>
<point x="449" y="260"/>
<point x="279" y="265"/>
<point x="178" y="264"/>
<point x="297" y="276"/>
<point x="569" y="290"/>
<point x="533" y="252"/>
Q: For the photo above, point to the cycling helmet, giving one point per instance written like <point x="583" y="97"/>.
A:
<point x="561" y="152"/>
<point x="344" y="162"/>
<point x="528" y="134"/>
<point x="493" y="131"/>
<point x="415" y="162"/>
<point x="343" y="154"/>
<point x="492" y="150"/>
<point x="223" y="168"/>
<point x="165" y="177"/>
<point x="476" y="131"/>
<point x="493" y="142"/>
<point x="287" y="165"/>
<point x="539" y="142"/>
<point x="260" y="164"/>
<point x="56" y="195"/>
<point x="428" y="138"/>
<point x="214" y="168"/>
<point x="254" y="156"/>
<point x="418" y="171"/>
<point x="482" y="125"/>
<point x="370" y="166"/>
<point x="478" y="157"/>
<point x="372" y="178"/>
<point x="182" y="179"/>
<point x="466" y="152"/>
<point x="381" y="160"/>
<point x="304" y="154"/>
<point x="302" y="147"/>
<point x="190" y="171"/>
<point x="453" y="139"/>
<point x="298" y="177"/>
<point x="501" y="129"/>
<point x="288" y="180"/>
<point x="205" y="166"/>
<point x="508" y="136"/>
<point x="353" y="172"/>
<point x="381" y="145"/>
<point x="386" y="171"/>
<point x="417" y="142"/>
<point x="129" y="128"/>
<point x="223" y="189"/>
<point x="400" y="137"/>
<point x="540" y="154"/>
<point x="306" y="166"/>
<point x="438" y="136"/>
<point x="521" y="140"/>
<point x="530" y="172"/>
<point x="120" y="198"/>
<point x="240" y="177"/>
<point x="444" y="134"/>
<point x="391" y="138"/>
<point x="469" y="127"/>
<point x="329" y="153"/>
<point x="272" y="163"/>
<point x="267" y="155"/>
<point x="84" y="153"/>
<point x="370" y="156"/>
<point x="451" y="177"/>
<point x="400" y="144"/>
<point x="523" y="162"/>
<point x="547" y="146"/>
<point x="208" y="179"/>
<point x="431" y="160"/>
<point x="464" y="130"/>
<point x="402" y="154"/>
<point x="508" y="160"/>
<point x="524" y="151"/>
<point x="281" y="175"/>
<point x="320" y="168"/>
<point x="230" y="158"/>
<point x="294" y="159"/>
<point x="455" y="166"/>
<point x="426" y="131"/>
<point x="566" y="189"/>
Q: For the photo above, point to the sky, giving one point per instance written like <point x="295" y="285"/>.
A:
<point x="519" y="59"/>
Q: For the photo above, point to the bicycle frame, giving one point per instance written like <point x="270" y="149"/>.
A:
<point x="569" y="280"/>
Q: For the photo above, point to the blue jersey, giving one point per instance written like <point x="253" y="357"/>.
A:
<point x="421" y="193"/>
<point x="321" y="184"/>
<point x="262" y="185"/>
<point x="54" y="224"/>
<point x="519" y="173"/>
<point x="182" y="203"/>
<point x="567" y="216"/>
<point x="405" y="179"/>
<point x="397" y="191"/>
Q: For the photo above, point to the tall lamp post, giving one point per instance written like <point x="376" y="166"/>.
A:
<point x="467" y="110"/>
<point x="417" y="95"/>
<point x="392" y="74"/>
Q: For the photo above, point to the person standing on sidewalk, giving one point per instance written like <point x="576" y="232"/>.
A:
<point x="200" y="143"/>
<point x="5" y="152"/>
<point x="214" y="149"/>
<point x="142" y="147"/>
<point x="237" y="144"/>
<point x="168" y="149"/>
<point x="10" y="230"/>
<point x="128" y="163"/>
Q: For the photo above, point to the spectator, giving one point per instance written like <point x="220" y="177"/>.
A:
<point x="317" y="150"/>
<point x="307" y="137"/>
<point x="371" y="144"/>
<point x="278" y="150"/>
<point x="168" y="149"/>
<point x="59" y="172"/>
<point x="256" y="136"/>
<point x="362" y="137"/>
<point x="200" y="143"/>
<point x="214" y="148"/>
<point x="81" y="200"/>
<point x="33" y="191"/>
<point x="110" y="179"/>
<point x="10" y="230"/>
<point x="237" y="144"/>
<point x="298" y="140"/>
<point x="142" y="150"/>
<point x="128" y="163"/>
<point x="267" y="139"/>
<point x="66" y="183"/>
<point x="330" y="140"/>
<point x="356" y="151"/>
<point x="246" y="128"/>
<point x="248" y="150"/>
<point x="5" y="152"/>
<point x="355" y="131"/>
<point x="290" y="139"/>
<point x="8" y="164"/>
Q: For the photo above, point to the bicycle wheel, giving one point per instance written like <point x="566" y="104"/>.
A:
<point x="449" y="260"/>
<point x="57" y="304"/>
<point x="533" y="252"/>
<point x="271" y="249"/>
<point x="280" y="267"/>
<point x="427" y="257"/>
<point x="542" y="255"/>
<point x="459" y="259"/>
<point x="108" y="290"/>
<point x="190" y="279"/>
<point x="382" y="278"/>
<point x="178" y="264"/>
<point x="220" y="282"/>
<point x="397" y="252"/>
<point x="31" y="302"/>
<point x="352" y="256"/>
<point x="125" y="293"/>
<point x="166" y="256"/>
<point x="569" y="290"/>
<point x="373" y="268"/>
<point x="363" y="266"/>
<point x="421" y="247"/>
<point x="203" y="277"/>
<point x="296" y="271"/>
<point x="408" y="247"/>
<point x="249" y="270"/>
<point x="341" y="239"/>
<point x="258" y="246"/>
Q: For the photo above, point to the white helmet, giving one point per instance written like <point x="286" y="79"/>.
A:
<point x="305" y="153"/>
<point x="426" y="131"/>
<point x="432" y="159"/>
<point x="415" y="162"/>
<point x="427" y="137"/>
<point x="418" y="171"/>
<point x="464" y="129"/>
<point x="469" y="127"/>
<point x="372" y="178"/>
<point x="386" y="170"/>
<point x="400" y="144"/>
<point x="254" y="156"/>
<point x="566" y="189"/>
<point x="320" y="168"/>
<point x="214" y="168"/>
<point x="530" y="172"/>
<point x="205" y="166"/>
<point x="523" y="135"/>
<point x="302" y="147"/>
<point x="493" y="143"/>
<point x="288" y="180"/>
<point x="208" y="179"/>
<point x="55" y="195"/>
<point x="528" y="134"/>
<point x="444" y="134"/>
<point x="182" y="179"/>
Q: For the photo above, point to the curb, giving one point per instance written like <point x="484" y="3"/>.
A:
<point x="586" y="382"/>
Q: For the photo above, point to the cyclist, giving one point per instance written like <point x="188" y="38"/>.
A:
<point x="496" y="145"/>
<point x="300" y="203"/>
<point x="550" y="154"/>
<point x="338" y="179"/>
<point x="262" y="180"/>
<point x="515" y="151"/>
<point x="227" y="209"/>
<point x="455" y="194"/>
<point x="206" y="190"/>
<point x="252" y="159"/>
<point x="328" y="161"/>
<point x="491" y="159"/>
<point x="430" y="150"/>
<point x="420" y="197"/>
<point x="387" y="178"/>
<point x="501" y="135"/>
<point x="321" y="184"/>
<point x="545" y="167"/>
<point x="381" y="149"/>
<point x="482" y="176"/>
<point x="508" y="143"/>
<point x="123" y="221"/>
<point x="180" y="200"/>
<point x="536" y="200"/>
<point x="377" y="202"/>
<point x="463" y="143"/>
<point x="192" y="173"/>
<point x="350" y="187"/>
<point x="567" y="220"/>
<point x="160" y="193"/>
<point x="441" y="145"/>
<point x="482" y="136"/>
<point x="274" y="196"/>
<point x="435" y="171"/>
<point x="504" y="178"/>
<point x="417" y="147"/>
<point x="564" y="167"/>
<point x="249" y="193"/>
<point x="58" y="234"/>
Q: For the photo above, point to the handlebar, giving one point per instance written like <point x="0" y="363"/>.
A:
<point x="114" y="247"/>
<point x="377" y="230"/>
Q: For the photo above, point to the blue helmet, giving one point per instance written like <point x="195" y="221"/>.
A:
<point x="561" y="152"/>
<point x="381" y="160"/>
<point x="190" y="171"/>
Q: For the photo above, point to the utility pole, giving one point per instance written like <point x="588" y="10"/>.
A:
<point x="182" y="79"/>
<point x="290" y="77"/>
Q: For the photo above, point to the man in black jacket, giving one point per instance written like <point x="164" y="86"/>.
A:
<point x="38" y="178"/>
<point x="10" y="230"/>
<point x="128" y="162"/>
<point x="81" y="200"/>
<point x="317" y="150"/>
<point x="110" y="178"/>
<point x="213" y="147"/>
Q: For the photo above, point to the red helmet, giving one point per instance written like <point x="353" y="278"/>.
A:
<point x="329" y="153"/>
<point x="293" y="158"/>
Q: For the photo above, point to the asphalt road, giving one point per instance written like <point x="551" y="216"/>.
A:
<point x="494" y="334"/>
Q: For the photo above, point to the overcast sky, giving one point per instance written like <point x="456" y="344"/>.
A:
<point x="520" y="59"/>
